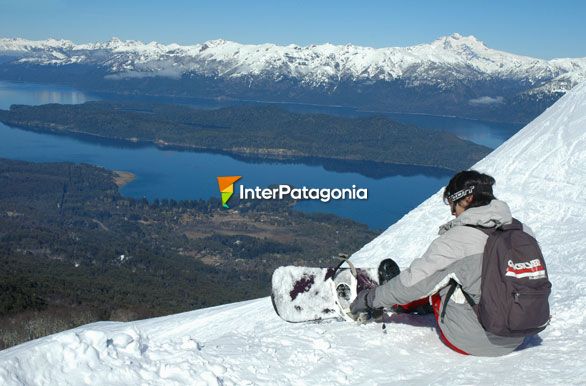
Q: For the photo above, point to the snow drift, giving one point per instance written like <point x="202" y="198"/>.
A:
<point x="540" y="172"/>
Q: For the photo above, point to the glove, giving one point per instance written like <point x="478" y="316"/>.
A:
<point x="363" y="302"/>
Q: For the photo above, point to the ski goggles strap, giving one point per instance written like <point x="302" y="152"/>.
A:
<point x="450" y="198"/>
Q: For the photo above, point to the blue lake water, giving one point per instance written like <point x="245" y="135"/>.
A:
<point x="392" y="191"/>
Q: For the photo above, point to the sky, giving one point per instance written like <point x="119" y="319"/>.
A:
<point x="543" y="29"/>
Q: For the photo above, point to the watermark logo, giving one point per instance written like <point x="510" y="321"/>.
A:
<point x="226" y="185"/>
<point x="304" y="193"/>
<point x="279" y="192"/>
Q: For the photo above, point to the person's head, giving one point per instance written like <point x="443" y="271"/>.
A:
<point x="468" y="189"/>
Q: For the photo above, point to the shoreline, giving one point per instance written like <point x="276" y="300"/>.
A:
<point x="276" y="155"/>
<point x="103" y="95"/>
<point x="122" y="177"/>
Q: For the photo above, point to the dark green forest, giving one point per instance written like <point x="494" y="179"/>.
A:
<point x="73" y="250"/>
<point x="254" y="130"/>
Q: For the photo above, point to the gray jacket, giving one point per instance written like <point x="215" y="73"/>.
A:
<point x="456" y="253"/>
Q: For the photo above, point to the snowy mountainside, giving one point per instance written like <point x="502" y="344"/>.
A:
<point x="540" y="172"/>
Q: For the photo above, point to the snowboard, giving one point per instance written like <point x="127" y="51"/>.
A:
<point x="303" y="294"/>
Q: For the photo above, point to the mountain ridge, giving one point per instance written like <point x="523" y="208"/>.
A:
<point x="453" y="75"/>
<point x="252" y="59"/>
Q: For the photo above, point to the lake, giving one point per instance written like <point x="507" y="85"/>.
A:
<point x="392" y="190"/>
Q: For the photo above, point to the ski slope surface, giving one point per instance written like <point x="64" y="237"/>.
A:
<point x="540" y="172"/>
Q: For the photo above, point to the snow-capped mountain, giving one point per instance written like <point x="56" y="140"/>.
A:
<point x="540" y="172"/>
<point x="315" y="65"/>
<point x="405" y="78"/>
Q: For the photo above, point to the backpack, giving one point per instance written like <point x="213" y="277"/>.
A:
<point x="514" y="284"/>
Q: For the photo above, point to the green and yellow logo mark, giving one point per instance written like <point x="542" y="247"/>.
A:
<point x="226" y="185"/>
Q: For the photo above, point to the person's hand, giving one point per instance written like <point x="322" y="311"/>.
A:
<point x="363" y="302"/>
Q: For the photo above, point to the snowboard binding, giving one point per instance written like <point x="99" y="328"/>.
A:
<point x="387" y="270"/>
<point x="345" y="286"/>
<point x="347" y="289"/>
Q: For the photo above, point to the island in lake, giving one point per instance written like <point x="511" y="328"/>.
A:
<point x="259" y="131"/>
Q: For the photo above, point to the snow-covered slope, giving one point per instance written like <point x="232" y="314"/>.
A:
<point x="440" y="63"/>
<point x="541" y="172"/>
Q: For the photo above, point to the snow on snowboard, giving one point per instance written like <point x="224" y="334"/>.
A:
<point x="302" y="294"/>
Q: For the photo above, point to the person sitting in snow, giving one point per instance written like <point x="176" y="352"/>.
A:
<point x="456" y="253"/>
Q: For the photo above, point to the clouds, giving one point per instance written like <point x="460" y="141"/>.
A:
<point x="487" y="100"/>
<point x="165" y="73"/>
